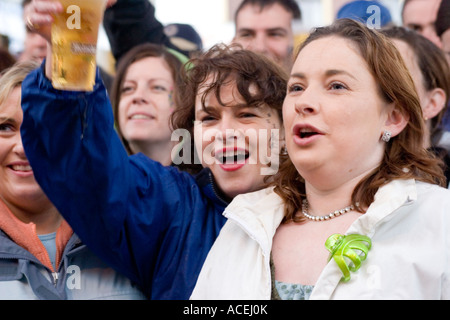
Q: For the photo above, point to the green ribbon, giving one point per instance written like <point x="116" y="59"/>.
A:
<point x="184" y="60"/>
<point x="342" y="248"/>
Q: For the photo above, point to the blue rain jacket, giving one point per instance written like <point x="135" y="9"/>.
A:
<point x="152" y="223"/>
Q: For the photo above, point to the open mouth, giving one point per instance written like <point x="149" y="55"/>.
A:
<point x="232" y="156"/>
<point x="140" y="116"/>
<point x="307" y="133"/>
<point x="21" y="168"/>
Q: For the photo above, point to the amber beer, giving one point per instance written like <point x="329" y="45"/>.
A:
<point x="74" y="44"/>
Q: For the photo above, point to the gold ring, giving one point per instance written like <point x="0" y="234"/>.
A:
<point x="31" y="25"/>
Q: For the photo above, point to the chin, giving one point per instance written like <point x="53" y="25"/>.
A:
<point x="31" y="194"/>
<point x="235" y="190"/>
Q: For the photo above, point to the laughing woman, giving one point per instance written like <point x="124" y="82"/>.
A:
<point x="357" y="213"/>
<point x="41" y="257"/>
<point x="155" y="224"/>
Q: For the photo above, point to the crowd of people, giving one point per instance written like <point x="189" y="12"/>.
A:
<point x="296" y="172"/>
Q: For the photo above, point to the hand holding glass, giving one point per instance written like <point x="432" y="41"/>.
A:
<point x="74" y="35"/>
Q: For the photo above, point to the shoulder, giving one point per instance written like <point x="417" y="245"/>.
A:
<point x="257" y="201"/>
<point x="261" y="210"/>
<point x="432" y="192"/>
<point x="430" y="207"/>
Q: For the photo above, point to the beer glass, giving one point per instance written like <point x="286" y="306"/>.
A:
<point x="74" y="44"/>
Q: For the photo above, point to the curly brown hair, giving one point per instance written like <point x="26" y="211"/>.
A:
<point x="404" y="157"/>
<point x="227" y="64"/>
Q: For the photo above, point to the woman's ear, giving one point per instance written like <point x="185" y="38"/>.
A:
<point x="436" y="99"/>
<point x="396" y="121"/>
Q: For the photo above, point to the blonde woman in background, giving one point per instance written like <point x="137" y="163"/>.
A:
<point x="41" y="257"/>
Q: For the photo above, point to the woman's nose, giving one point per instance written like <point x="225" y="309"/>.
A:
<point x="18" y="147"/>
<point x="228" y="126"/>
<point x="307" y="103"/>
<point x="139" y="100"/>
<point x="141" y="95"/>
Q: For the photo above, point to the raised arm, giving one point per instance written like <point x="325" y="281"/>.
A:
<point x="152" y="223"/>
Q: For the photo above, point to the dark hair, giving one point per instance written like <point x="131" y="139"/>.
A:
<point x="6" y="59"/>
<point x="290" y="6"/>
<point x="405" y="156"/>
<point x="432" y="63"/>
<point x="25" y="3"/>
<point x="228" y="64"/>
<point x="443" y="18"/>
<point x="136" y="54"/>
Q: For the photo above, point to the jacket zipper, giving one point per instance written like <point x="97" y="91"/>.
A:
<point x="213" y="186"/>
<point x="55" y="277"/>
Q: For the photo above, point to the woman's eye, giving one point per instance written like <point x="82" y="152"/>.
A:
<point x="5" y="127"/>
<point x="295" y="88"/>
<point x="337" y="86"/>
<point x="158" y="88"/>
<point x="207" y="118"/>
<point x="247" y="115"/>
<point x="126" y="89"/>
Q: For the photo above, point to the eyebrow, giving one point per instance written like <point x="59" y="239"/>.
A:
<point x="148" y="80"/>
<point x="7" y="120"/>
<point x="276" y="29"/>
<point x="205" y="109"/>
<point x="328" y="73"/>
<point x="212" y="109"/>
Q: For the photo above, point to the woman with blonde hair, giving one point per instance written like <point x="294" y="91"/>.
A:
<point x="41" y="257"/>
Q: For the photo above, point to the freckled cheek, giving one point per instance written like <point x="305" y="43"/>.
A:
<point x="163" y="102"/>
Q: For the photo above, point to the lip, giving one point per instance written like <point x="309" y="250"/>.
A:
<point x="306" y="139"/>
<point x="141" y="116"/>
<point x="21" y="169"/>
<point x="235" y="165"/>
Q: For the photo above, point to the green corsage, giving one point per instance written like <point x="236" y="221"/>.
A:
<point x="342" y="248"/>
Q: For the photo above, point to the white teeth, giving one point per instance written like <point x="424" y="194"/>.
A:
<point x="305" y="130"/>
<point x="232" y="156"/>
<point x="232" y="153"/>
<point x="21" y="168"/>
<point x="140" y="116"/>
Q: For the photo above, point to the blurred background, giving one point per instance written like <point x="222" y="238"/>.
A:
<point x="213" y="20"/>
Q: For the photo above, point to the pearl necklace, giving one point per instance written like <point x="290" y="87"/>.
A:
<point x="329" y="216"/>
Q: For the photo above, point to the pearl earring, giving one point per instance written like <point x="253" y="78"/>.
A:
<point x="386" y="136"/>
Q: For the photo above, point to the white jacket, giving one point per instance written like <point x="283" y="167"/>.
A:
<point x="409" y="224"/>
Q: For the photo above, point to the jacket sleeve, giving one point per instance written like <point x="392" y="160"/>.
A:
<point x="132" y="22"/>
<point x="120" y="206"/>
